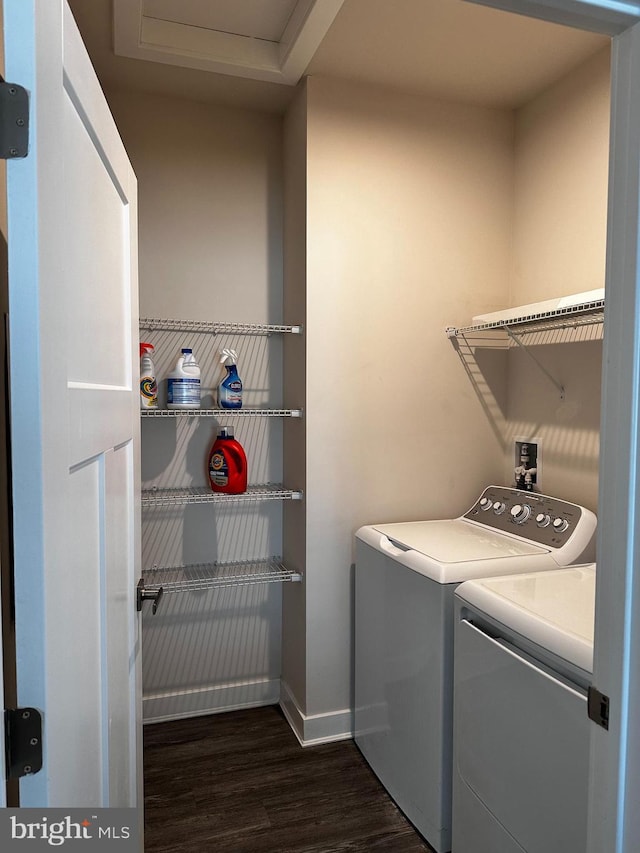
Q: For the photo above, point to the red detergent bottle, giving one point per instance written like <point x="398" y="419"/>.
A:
<point x="227" y="464"/>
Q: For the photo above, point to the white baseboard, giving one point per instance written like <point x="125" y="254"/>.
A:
<point x="178" y="704"/>
<point x="314" y="729"/>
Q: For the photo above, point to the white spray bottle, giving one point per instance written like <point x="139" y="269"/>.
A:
<point x="230" y="389"/>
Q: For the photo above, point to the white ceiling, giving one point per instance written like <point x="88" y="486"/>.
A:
<point x="440" y="48"/>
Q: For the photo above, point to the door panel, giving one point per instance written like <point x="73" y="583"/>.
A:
<point x="121" y="622"/>
<point x="97" y="270"/>
<point x="75" y="420"/>
<point x="76" y="603"/>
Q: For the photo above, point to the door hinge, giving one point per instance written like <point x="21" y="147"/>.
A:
<point x="598" y="707"/>
<point x="14" y="121"/>
<point x="22" y="742"/>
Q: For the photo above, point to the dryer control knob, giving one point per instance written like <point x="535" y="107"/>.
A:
<point x="499" y="507"/>
<point x="543" y="520"/>
<point x="560" y="525"/>
<point x="520" y="513"/>
<point x="485" y="504"/>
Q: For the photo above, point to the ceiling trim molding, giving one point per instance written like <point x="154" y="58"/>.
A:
<point x="140" y="37"/>
<point x="610" y="17"/>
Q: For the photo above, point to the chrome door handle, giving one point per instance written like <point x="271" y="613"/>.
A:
<point x="143" y="594"/>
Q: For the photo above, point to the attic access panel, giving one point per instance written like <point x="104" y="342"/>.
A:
<point x="251" y="18"/>
<point x="262" y="41"/>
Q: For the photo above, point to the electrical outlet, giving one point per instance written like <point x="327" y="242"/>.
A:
<point x="528" y="463"/>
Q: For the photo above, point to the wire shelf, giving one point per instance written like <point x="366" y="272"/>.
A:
<point x="528" y="330"/>
<point x="203" y="576"/>
<point x="217" y="413"/>
<point x="571" y="317"/>
<point x="202" y="494"/>
<point x="151" y="324"/>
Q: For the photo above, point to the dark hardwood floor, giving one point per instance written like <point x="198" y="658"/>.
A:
<point x="241" y="783"/>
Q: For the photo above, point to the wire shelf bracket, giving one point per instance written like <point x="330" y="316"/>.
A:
<point x="517" y="340"/>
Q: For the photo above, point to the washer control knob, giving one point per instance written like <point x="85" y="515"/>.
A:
<point x="560" y="525"/>
<point x="520" y="513"/>
<point x="485" y="504"/>
<point x="543" y="519"/>
<point x="499" y="507"/>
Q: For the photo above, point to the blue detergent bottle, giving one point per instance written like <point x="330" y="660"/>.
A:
<point x="230" y="389"/>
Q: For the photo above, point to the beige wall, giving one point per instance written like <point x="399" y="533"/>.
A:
<point x="560" y="188"/>
<point x="559" y="244"/>
<point x="408" y="211"/>
<point x="210" y="207"/>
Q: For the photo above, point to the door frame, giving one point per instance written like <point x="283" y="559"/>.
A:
<point x="9" y="790"/>
<point x="614" y="775"/>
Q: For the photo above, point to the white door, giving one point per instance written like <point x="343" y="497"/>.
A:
<point x="74" y="419"/>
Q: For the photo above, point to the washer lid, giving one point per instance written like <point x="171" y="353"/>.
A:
<point x="556" y="609"/>
<point x="456" y="540"/>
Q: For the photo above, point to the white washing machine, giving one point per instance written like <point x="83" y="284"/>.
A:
<point x="523" y="663"/>
<point x="406" y="576"/>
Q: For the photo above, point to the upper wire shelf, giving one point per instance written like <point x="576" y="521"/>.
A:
<point x="151" y="324"/>
<point x="527" y="330"/>
<point x="203" y="494"/>
<point x="216" y="413"/>
<point x="570" y="317"/>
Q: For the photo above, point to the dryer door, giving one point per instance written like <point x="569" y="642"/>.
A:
<point x="521" y="744"/>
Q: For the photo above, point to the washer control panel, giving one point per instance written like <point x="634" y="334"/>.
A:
<point x="542" y="519"/>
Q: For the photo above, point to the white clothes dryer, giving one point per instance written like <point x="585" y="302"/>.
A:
<point x="405" y="578"/>
<point x="523" y="664"/>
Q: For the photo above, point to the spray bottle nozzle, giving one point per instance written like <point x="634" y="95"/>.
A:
<point x="145" y="347"/>
<point x="229" y="356"/>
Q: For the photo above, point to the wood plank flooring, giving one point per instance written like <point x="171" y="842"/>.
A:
<point x="241" y="783"/>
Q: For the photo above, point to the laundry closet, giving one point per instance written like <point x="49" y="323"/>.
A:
<point x="373" y="218"/>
